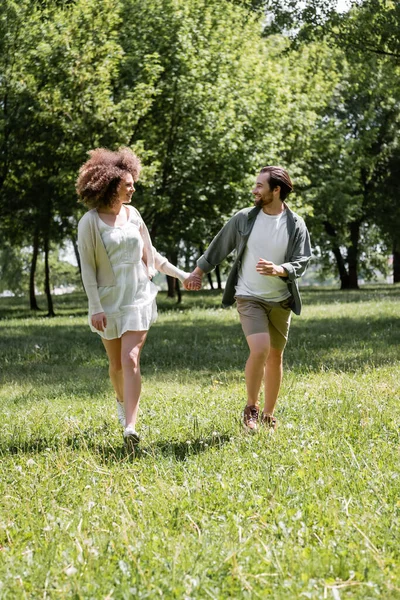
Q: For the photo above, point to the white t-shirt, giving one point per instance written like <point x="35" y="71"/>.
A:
<point x="268" y="240"/>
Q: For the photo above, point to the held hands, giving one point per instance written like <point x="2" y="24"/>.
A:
<point x="99" y="321"/>
<point x="266" y="267"/>
<point x="193" y="282"/>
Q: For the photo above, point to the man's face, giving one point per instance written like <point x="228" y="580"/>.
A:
<point x="263" y="195"/>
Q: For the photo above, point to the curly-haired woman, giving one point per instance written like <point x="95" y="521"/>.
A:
<point x="118" y="262"/>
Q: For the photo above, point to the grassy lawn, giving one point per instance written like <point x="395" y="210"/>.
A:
<point x="202" y="510"/>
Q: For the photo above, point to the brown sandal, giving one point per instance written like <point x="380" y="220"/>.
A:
<point x="250" y="417"/>
<point x="269" y="421"/>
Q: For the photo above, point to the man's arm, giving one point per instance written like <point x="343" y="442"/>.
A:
<point x="221" y="246"/>
<point x="301" y="255"/>
<point x="298" y="261"/>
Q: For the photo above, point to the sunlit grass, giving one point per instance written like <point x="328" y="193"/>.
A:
<point x="202" y="510"/>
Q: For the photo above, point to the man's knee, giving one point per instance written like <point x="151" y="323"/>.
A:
<point x="260" y="353"/>
<point x="275" y="356"/>
<point x="259" y="346"/>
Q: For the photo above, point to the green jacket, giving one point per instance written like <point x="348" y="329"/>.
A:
<point x="234" y="236"/>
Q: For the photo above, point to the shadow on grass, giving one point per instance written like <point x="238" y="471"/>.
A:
<point x="71" y="357"/>
<point x="97" y="441"/>
<point x="368" y="293"/>
<point x="75" y="304"/>
<point x="52" y="358"/>
<point x="68" y="304"/>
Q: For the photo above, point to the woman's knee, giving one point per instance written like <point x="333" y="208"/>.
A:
<point x="130" y="360"/>
<point x="115" y="365"/>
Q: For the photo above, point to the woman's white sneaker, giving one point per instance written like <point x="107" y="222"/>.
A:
<point x="121" y="412"/>
<point x="131" y="436"/>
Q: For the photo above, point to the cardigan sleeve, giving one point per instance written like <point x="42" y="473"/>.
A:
<point x="88" y="266"/>
<point x="163" y="265"/>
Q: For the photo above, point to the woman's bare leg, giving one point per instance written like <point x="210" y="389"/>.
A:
<point x="113" y="349"/>
<point x="131" y="346"/>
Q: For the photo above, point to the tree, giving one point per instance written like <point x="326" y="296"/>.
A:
<point x="370" y="27"/>
<point x="354" y="139"/>
<point x="57" y="81"/>
<point x="387" y="208"/>
<point x="14" y="269"/>
<point x="198" y="130"/>
<point x="349" y="147"/>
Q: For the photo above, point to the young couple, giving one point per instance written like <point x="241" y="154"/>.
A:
<point x="118" y="261"/>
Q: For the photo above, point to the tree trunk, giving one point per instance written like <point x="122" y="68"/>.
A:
<point x="178" y="291"/>
<point x="344" y="276"/>
<point x="341" y="265"/>
<point x="396" y="261"/>
<point x="210" y="281"/>
<point x="174" y="288"/>
<point x="172" y="282"/>
<point x="35" y="252"/>
<point x="47" y="290"/>
<point x="218" y="276"/>
<point x="352" y="255"/>
<point x="76" y="252"/>
<point x="171" y="286"/>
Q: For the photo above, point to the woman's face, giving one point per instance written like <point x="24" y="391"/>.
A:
<point x="125" y="189"/>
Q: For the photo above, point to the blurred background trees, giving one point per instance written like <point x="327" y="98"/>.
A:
<point x="206" y="92"/>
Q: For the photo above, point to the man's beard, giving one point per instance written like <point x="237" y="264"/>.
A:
<point x="262" y="201"/>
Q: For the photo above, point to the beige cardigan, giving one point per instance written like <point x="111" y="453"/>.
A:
<point x="95" y="264"/>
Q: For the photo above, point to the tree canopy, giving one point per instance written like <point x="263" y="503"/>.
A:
<point x="207" y="93"/>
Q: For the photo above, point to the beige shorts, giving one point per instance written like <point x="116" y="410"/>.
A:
<point x="259" y="316"/>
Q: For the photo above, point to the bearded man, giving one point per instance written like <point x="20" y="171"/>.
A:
<point x="272" y="251"/>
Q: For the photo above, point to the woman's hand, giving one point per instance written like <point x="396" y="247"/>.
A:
<point x="192" y="283"/>
<point x="99" y="321"/>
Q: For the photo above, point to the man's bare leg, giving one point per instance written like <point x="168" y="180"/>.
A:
<point x="259" y="345"/>
<point x="272" y="380"/>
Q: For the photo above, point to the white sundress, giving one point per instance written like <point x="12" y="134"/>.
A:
<point x="130" y="305"/>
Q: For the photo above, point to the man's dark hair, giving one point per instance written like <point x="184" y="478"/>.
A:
<point x="279" y="177"/>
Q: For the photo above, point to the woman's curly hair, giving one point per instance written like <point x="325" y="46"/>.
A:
<point x="99" y="177"/>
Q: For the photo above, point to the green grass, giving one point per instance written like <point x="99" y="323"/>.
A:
<point x="202" y="510"/>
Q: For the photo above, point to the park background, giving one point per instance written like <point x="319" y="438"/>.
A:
<point x="206" y="92"/>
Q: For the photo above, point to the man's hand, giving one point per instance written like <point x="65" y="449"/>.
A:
<point x="193" y="282"/>
<point x="266" y="267"/>
<point x="99" y="321"/>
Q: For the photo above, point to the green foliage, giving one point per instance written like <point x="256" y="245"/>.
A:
<point x="14" y="269"/>
<point x="198" y="129"/>
<point x="352" y="144"/>
<point x="63" y="274"/>
<point x="202" y="510"/>
<point x="206" y="92"/>
<point x="371" y="27"/>
<point x="337" y="116"/>
<point x="299" y="85"/>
